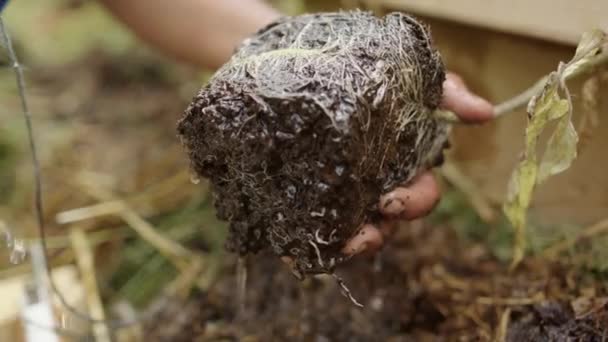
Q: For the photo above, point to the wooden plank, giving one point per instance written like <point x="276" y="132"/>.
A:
<point x="556" y="20"/>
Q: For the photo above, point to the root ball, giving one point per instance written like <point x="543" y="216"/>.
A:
<point x="313" y="118"/>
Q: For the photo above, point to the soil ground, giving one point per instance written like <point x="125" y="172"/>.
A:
<point x="425" y="286"/>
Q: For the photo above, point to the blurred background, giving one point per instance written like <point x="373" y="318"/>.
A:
<point x="130" y="230"/>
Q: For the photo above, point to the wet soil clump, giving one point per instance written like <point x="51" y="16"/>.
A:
<point x="312" y="119"/>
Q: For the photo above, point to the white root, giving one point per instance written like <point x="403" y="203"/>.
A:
<point x="319" y="259"/>
<point x="332" y="235"/>
<point x="345" y="291"/>
<point x="320" y="240"/>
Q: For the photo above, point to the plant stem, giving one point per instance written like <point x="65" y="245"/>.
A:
<point x="525" y="96"/>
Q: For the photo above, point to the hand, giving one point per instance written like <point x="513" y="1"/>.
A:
<point x="420" y="197"/>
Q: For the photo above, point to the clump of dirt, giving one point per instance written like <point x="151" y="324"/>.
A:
<point x="312" y="119"/>
<point x="555" y="321"/>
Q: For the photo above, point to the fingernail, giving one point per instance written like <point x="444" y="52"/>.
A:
<point x="355" y="250"/>
<point x="393" y="206"/>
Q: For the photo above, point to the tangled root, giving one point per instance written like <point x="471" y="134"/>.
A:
<point x="312" y="119"/>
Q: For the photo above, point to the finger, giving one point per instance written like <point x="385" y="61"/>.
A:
<point x="468" y="106"/>
<point x="413" y="201"/>
<point x="369" y="239"/>
<point x="458" y="81"/>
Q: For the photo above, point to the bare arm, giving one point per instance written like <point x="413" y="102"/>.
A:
<point x="200" y="32"/>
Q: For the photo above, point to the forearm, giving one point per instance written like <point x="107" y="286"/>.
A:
<point x="201" y="32"/>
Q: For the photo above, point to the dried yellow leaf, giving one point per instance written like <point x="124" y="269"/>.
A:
<point x="551" y="104"/>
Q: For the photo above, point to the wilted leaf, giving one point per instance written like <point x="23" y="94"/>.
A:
<point x="560" y="152"/>
<point x="544" y="108"/>
<point x="519" y="196"/>
<point x="520" y="190"/>
<point x="551" y="104"/>
<point x="589" y="46"/>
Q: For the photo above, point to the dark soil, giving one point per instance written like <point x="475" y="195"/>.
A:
<point x="424" y="287"/>
<point x="309" y="123"/>
<point x="555" y="321"/>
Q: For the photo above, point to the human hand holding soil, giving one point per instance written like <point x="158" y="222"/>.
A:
<point x="420" y="197"/>
<point x="205" y="32"/>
